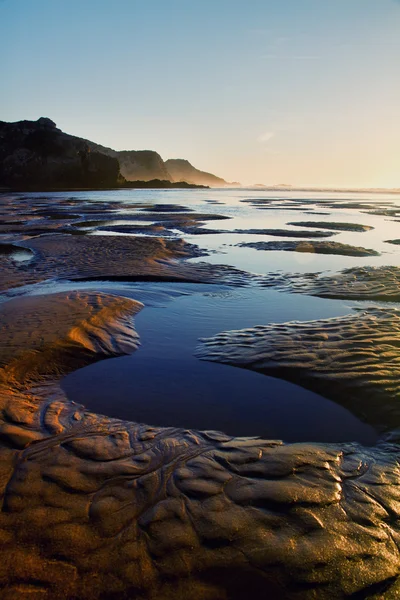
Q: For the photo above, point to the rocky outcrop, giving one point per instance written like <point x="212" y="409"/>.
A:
<point x="37" y="154"/>
<point x="146" y="165"/>
<point x="142" y="165"/>
<point x="137" y="165"/>
<point x="182" y="170"/>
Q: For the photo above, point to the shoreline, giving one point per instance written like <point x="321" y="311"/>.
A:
<point x="141" y="185"/>
<point x="184" y="185"/>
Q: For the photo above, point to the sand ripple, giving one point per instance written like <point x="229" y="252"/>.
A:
<point x="359" y="283"/>
<point x="353" y="360"/>
<point x="44" y="337"/>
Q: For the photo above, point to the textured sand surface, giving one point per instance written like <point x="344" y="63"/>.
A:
<point x="313" y="247"/>
<point x="44" y="337"/>
<point x="360" y="283"/>
<point x="332" y="225"/>
<point x="99" y="508"/>
<point x="353" y="360"/>
<point x="132" y="258"/>
<point x="94" y="508"/>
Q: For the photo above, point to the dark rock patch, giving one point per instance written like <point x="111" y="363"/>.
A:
<point x="36" y="153"/>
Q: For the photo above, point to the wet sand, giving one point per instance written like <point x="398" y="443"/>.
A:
<point x="353" y="360"/>
<point x="361" y="283"/>
<point x="313" y="248"/>
<point x="94" y="507"/>
<point x="331" y="225"/>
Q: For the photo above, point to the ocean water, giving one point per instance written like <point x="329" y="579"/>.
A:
<point x="163" y="383"/>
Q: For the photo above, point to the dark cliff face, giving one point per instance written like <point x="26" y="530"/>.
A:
<point x="182" y="170"/>
<point x="142" y="164"/>
<point x="137" y="165"/>
<point x="36" y="153"/>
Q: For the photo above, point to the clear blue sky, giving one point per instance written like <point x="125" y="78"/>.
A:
<point x="271" y="91"/>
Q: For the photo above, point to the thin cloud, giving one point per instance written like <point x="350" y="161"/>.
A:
<point x="292" y="57"/>
<point x="266" y="137"/>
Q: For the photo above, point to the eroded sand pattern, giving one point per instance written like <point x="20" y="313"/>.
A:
<point x="96" y="508"/>
<point x="354" y="360"/>
<point x="113" y="258"/>
<point x="359" y="283"/>
<point x="44" y="337"/>
<point x="312" y="247"/>
<point x="333" y="226"/>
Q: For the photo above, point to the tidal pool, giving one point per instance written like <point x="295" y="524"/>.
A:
<point x="163" y="383"/>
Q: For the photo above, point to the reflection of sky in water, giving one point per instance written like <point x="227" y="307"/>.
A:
<point x="21" y="256"/>
<point x="163" y="383"/>
<point x="244" y="216"/>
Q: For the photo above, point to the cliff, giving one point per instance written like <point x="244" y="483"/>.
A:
<point x="182" y="170"/>
<point x="135" y="165"/>
<point x="37" y="154"/>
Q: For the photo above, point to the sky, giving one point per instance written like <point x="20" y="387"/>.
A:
<point x="301" y="92"/>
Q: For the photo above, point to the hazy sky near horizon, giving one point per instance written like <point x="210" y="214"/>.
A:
<point x="302" y="92"/>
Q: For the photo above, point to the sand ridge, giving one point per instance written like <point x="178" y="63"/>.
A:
<point x="316" y="247"/>
<point x="355" y="283"/>
<point x="130" y="258"/>
<point x="44" y="337"/>
<point x="332" y="225"/>
<point x="353" y="360"/>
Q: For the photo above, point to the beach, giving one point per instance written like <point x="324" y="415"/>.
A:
<point x="166" y="471"/>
